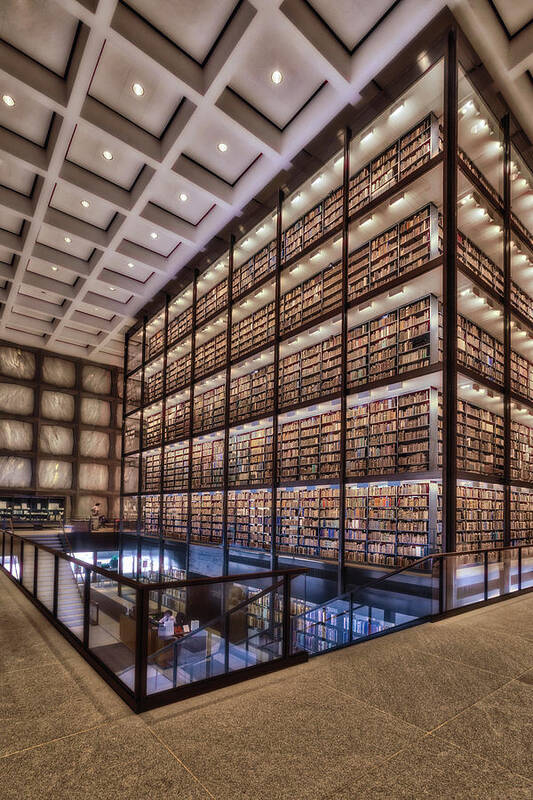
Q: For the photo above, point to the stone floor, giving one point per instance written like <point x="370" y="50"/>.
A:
<point x="443" y="710"/>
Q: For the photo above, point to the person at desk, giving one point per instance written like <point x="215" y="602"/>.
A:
<point x="166" y="625"/>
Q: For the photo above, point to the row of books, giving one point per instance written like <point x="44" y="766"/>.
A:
<point x="480" y="439"/>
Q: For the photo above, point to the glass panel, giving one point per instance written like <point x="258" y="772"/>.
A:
<point x="28" y="567"/>
<point x="45" y="579"/>
<point x="527" y="567"/>
<point x="15" y="558"/>
<point x="70" y="594"/>
<point x="467" y="574"/>
<point x="113" y="627"/>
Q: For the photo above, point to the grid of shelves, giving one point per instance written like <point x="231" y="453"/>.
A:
<point x="152" y="430"/>
<point x="179" y="374"/>
<point x="521" y="301"/>
<point x="254" y="270"/>
<point x="151" y="472"/>
<point x="175" y="516"/>
<point x="521" y="515"/>
<point x="179" y="327"/>
<point x="155" y="344"/>
<point x="308" y="521"/>
<point x="479" y="518"/>
<point x="394" y="435"/>
<point x="207" y="463"/>
<point x="392" y="524"/>
<point x="317" y="296"/>
<point x="250" y="457"/>
<point x="253" y="331"/>
<point x="210" y="356"/>
<point x="212" y="301"/>
<point x="206" y="517"/>
<point x="208" y="409"/>
<point x="176" y="471"/>
<point x="309" y="373"/>
<point x="323" y="217"/>
<point x="153" y="387"/>
<point x="475" y="259"/>
<point x="521" y="375"/>
<point x="177" y="421"/>
<point x="309" y="448"/>
<point x="521" y="452"/>
<point x="403" y="248"/>
<point x="250" y="518"/>
<point x="478" y="350"/>
<point x="150" y="506"/>
<point x="252" y="394"/>
<point x="479" y="439"/>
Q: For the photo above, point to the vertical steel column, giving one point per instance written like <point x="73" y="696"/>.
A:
<point x="344" y="357"/>
<point x="86" y="606"/>
<point x="450" y="293"/>
<point x="225" y="553"/>
<point x="123" y="445"/>
<point x="141" y="428"/>
<point x="275" y="393"/>
<point x="506" y="331"/>
<point x="191" y="406"/>
<point x="141" y="645"/>
<point x="163" y="417"/>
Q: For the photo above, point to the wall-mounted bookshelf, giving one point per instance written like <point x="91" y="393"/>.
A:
<point x="209" y="409"/>
<point x="480" y="439"/>
<point x="252" y="394"/>
<point x="250" y="518"/>
<point x="521" y="515"/>
<point x="521" y="375"/>
<point x="480" y="351"/>
<point x="479" y="517"/>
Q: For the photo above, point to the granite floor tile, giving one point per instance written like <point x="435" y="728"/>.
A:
<point x="513" y="616"/>
<point x="292" y="740"/>
<point x="417" y="687"/>
<point x="436" y="770"/>
<point x="498" y="727"/>
<point x="43" y="703"/>
<point x="527" y="677"/>
<point x="119" y="761"/>
<point x="473" y="641"/>
<point x="22" y="650"/>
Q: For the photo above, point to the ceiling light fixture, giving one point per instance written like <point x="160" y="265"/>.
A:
<point x="367" y="135"/>
<point x="276" y="77"/>
<point x="54" y="269"/>
<point x="397" y="199"/>
<point x="68" y="239"/>
<point x="137" y="89"/>
<point x="8" y="100"/>
<point x="183" y="197"/>
<point x="131" y="264"/>
<point x="153" y="235"/>
<point x="318" y="180"/>
<point x="111" y="288"/>
<point x="397" y="109"/>
<point x="85" y="203"/>
<point x="297" y="198"/>
<point x="222" y="146"/>
<point x="108" y="155"/>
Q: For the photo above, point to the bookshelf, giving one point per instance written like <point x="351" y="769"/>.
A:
<point x="358" y="362"/>
<point x="521" y="515"/>
<point x="480" y="439"/>
<point x="33" y="512"/>
<point x="249" y="518"/>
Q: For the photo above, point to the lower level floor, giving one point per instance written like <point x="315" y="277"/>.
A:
<point x="442" y="710"/>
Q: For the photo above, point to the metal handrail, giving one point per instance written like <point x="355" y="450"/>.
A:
<point x="441" y="556"/>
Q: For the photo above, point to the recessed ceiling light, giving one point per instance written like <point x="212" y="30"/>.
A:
<point x="107" y="155"/>
<point x="153" y="235"/>
<point x="54" y="269"/>
<point x="131" y="264"/>
<point x="222" y="146"/>
<point x="68" y="239"/>
<point x="85" y="203"/>
<point x="111" y="288"/>
<point x="138" y="89"/>
<point x="183" y="197"/>
<point x="8" y="100"/>
<point x="367" y="135"/>
<point x="276" y="76"/>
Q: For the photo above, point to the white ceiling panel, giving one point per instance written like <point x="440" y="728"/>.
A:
<point x="26" y="117"/>
<point x="87" y="148"/>
<point x="56" y="238"/>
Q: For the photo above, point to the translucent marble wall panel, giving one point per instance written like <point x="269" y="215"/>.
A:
<point x="15" y="435"/>
<point x="56" y="440"/>
<point x="55" y="474"/>
<point x="96" y="379"/>
<point x="95" y="412"/>
<point x="56" y="405"/>
<point x="93" y="477"/>
<point x="86" y="502"/>
<point x="94" y="444"/>
<point x="16" y="399"/>
<point x="114" y="507"/>
<point x="131" y="477"/>
<point x="17" y="363"/>
<point x="118" y="420"/>
<point x="15" y="472"/>
<point x="59" y="372"/>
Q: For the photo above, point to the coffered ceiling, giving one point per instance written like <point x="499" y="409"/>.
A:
<point x="111" y="172"/>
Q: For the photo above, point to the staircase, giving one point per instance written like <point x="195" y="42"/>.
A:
<point x="69" y="602"/>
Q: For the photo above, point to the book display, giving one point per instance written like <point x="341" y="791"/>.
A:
<point x="251" y="395"/>
<point x="339" y="417"/>
<point x="479" y="439"/>
<point x="250" y="518"/>
<point x="521" y="515"/>
<point x="250" y="457"/>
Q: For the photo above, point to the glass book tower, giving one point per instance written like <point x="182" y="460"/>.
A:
<point x="350" y="384"/>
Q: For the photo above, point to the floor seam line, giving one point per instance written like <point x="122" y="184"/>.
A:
<point x="173" y="754"/>
<point x="465" y="664"/>
<point x="56" y="739"/>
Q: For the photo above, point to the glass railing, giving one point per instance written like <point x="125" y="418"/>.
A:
<point x="156" y="643"/>
<point x="432" y="586"/>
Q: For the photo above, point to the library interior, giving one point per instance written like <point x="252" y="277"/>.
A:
<point x="266" y="398"/>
